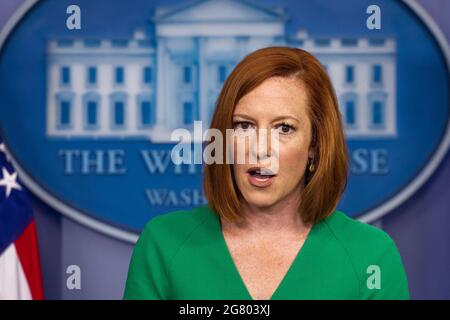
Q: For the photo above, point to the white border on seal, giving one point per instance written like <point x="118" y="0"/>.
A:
<point x="131" y="237"/>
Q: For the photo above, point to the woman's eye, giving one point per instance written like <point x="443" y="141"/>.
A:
<point x="242" y="125"/>
<point x="285" y="128"/>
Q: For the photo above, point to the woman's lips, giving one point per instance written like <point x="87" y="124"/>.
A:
<point x="260" y="180"/>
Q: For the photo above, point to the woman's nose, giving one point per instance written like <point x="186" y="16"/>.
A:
<point x="261" y="145"/>
<point x="264" y="150"/>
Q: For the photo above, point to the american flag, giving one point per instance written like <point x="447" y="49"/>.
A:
<point x="20" y="271"/>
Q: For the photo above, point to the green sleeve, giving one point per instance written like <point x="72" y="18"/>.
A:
<point x="392" y="283"/>
<point x="147" y="277"/>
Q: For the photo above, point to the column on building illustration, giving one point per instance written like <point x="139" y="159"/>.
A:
<point x="202" y="42"/>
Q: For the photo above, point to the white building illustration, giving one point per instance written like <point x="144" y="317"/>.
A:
<point x="155" y="82"/>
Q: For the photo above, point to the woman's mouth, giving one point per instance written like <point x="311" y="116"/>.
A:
<point x="260" y="177"/>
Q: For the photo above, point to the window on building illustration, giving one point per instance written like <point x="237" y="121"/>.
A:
<point x="92" y="110"/>
<point x="377" y="113"/>
<point x="65" y="75"/>
<point x="187" y="113"/>
<point x="119" y="43"/>
<point x="322" y="42"/>
<point x="92" y="43"/>
<point x="349" y="42"/>
<point x="92" y="75"/>
<point x="144" y="43"/>
<point x="377" y="74"/>
<point x="349" y="74"/>
<point x="91" y="105"/>
<point x="146" y="113"/>
<point x="222" y="73"/>
<point x="64" y="43"/>
<point x="350" y="112"/>
<point x="119" y="75"/>
<point x="147" y="75"/>
<point x="119" y="113"/>
<point x="64" y="112"/>
<point x="377" y="42"/>
<point x="187" y="74"/>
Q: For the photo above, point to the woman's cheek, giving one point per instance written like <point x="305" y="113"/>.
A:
<point x="293" y="159"/>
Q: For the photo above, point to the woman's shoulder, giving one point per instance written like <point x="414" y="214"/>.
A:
<point x="175" y="226"/>
<point x="349" y="230"/>
<point x="362" y="242"/>
<point x="153" y="254"/>
<point x="371" y="251"/>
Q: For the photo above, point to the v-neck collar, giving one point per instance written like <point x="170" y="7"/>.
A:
<point x="294" y="265"/>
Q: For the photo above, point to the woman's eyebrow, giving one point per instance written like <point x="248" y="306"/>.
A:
<point x="243" y="116"/>
<point x="282" y="117"/>
<point x="285" y="117"/>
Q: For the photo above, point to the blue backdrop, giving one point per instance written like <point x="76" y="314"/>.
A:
<point x="420" y="228"/>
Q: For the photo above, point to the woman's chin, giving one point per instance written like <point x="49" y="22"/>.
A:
<point x="262" y="201"/>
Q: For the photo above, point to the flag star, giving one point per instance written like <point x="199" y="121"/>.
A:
<point x="5" y="151"/>
<point x="9" y="181"/>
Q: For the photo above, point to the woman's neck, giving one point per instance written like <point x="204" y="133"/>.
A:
<point x="281" y="217"/>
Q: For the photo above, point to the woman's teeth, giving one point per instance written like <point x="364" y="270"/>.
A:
<point x="262" y="174"/>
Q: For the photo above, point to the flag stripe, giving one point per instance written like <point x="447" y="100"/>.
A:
<point x="20" y="271"/>
<point x="27" y="250"/>
<point x="13" y="282"/>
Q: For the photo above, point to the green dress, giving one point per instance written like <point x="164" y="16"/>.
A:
<point x="183" y="255"/>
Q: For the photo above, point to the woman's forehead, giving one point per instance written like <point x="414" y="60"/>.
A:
<point x="274" y="96"/>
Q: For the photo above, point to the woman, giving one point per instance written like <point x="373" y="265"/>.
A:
<point x="271" y="235"/>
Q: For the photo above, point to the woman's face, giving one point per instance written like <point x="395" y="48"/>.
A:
<point x="278" y="105"/>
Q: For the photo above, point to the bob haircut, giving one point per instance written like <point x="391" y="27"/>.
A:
<point x="324" y="186"/>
